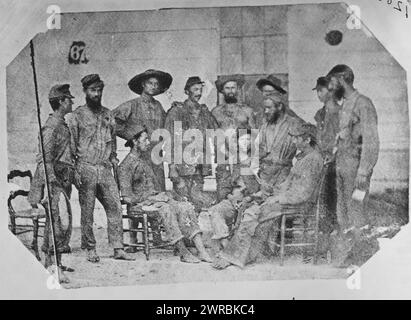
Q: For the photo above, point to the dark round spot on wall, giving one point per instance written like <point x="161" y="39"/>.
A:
<point x="334" y="37"/>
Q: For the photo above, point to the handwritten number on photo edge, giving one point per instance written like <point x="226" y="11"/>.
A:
<point x="399" y="7"/>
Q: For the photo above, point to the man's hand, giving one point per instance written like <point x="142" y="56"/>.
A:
<point x="247" y="199"/>
<point x="180" y="184"/>
<point x="114" y="161"/>
<point x="126" y="200"/>
<point x="257" y="177"/>
<point x="77" y="178"/>
<point x="361" y="182"/>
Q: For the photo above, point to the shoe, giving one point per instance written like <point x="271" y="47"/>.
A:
<point x="131" y="250"/>
<point x="92" y="256"/>
<point x="189" y="258"/>
<point x="120" y="254"/>
<point x="66" y="269"/>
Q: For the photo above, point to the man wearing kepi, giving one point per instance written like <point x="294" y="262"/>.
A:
<point x="327" y="119"/>
<point x="59" y="165"/>
<point x="251" y="238"/>
<point x="276" y="150"/>
<point x="144" y="110"/>
<point x="358" y="147"/>
<point x="140" y="187"/>
<point x="272" y="86"/>
<point x="93" y="142"/>
<point x="230" y="115"/>
<point x="188" y="178"/>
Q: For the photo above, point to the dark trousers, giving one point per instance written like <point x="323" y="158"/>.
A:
<point x="328" y="200"/>
<point x="223" y="180"/>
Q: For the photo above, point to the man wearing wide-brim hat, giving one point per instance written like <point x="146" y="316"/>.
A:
<point x="271" y="85"/>
<point x="188" y="179"/>
<point x="232" y="114"/>
<point x="59" y="165"/>
<point x="143" y="110"/>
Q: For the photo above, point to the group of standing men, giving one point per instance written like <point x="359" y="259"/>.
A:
<point x="81" y="149"/>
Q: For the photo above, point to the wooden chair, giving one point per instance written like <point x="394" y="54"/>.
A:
<point x="37" y="220"/>
<point x="302" y="219"/>
<point x="141" y="217"/>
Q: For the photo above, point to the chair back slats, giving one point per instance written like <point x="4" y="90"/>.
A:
<point x="18" y="173"/>
<point x="306" y="211"/>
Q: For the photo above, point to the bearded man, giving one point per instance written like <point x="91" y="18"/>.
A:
<point x="276" y="150"/>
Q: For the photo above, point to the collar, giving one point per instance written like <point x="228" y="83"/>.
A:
<point x="190" y="105"/>
<point x="285" y="118"/>
<point x="353" y="95"/>
<point x="146" y="98"/>
<point x="334" y="107"/>
<point x="57" y="117"/>
<point x="94" y="110"/>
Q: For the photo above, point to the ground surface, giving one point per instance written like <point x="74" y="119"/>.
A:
<point x="164" y="267"/>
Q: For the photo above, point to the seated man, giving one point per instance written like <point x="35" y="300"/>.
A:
<point x="251" y="237"/>
<point x="243" y="184"/>
<point x="139" y="185"/>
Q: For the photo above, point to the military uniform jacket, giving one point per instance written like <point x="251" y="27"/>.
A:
<point x="192" y="116"/>
<point x="56" y="142"/>
<point x="137" y="179"/>
<point x="358" y="136"/>
<point x="93" y="138"/>
<point x="304" y="177"/>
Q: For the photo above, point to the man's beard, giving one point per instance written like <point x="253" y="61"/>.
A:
<point x="195" y="99"/>
<point x="93" y="103"/>
<point x="230" y="99"/>
<point x="339" y="93"/>
<point x="274" y="117"/>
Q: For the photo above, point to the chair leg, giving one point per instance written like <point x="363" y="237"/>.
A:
<point x="145" y="237"/>
<point x="13" y="224"/>
<point x="282" y="245"/>
<point x="316" y="240"/>
<point x="34" y="244"/>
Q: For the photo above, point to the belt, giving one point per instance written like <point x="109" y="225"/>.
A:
<point x="97" y="163"/>
<point x="61" y="163"/>
<point x="282" y="163"/>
